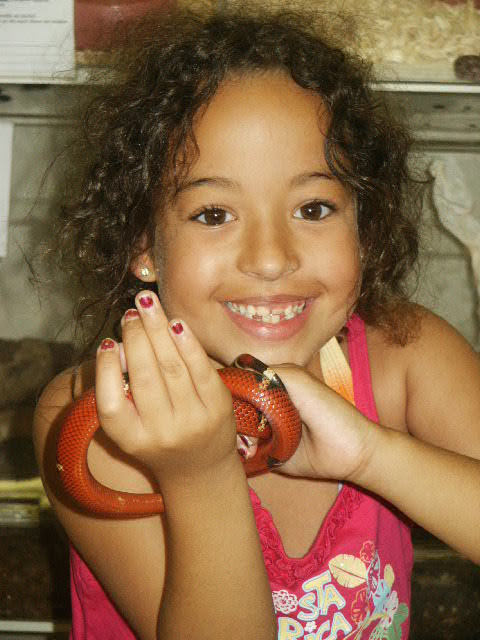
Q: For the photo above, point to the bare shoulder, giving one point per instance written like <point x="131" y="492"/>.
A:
<point x="437" y="376"/>
<point x="428" y="338"/>
<point x="133" y="579"/>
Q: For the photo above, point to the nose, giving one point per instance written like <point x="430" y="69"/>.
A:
<point x="268" y="251"/>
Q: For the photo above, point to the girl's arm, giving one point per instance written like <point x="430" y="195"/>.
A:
<point x="432" y="472"/>
<point x="215" y="584"/>
<point x="126" y="556"/>
<point x="200" y="572"/>
<point x="182" y="428"/>
<point x="438" y="489"/>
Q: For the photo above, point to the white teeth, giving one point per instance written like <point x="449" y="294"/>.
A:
<point x="266" y="315"/>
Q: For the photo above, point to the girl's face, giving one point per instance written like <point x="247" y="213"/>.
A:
<point x="258" y="251"/>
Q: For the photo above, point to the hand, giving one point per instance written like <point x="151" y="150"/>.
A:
<point x="335" y="438"/>
<point x="246" y="445"/>
<point x="181" y="421"/>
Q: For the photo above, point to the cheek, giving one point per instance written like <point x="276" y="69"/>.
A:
<point x="347" y="278"/>
<point x="168" y="277"/>
<point x="345" y="261"/>
<point x="184" y="275"/>
<point x="352" y="270"/>
<point x="353" y="277"/>
<point x="173" y="283"/>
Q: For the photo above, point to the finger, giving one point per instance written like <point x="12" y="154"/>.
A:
<point x="173" y="369"/>
<point x="146" y="382"/>
<point x="203" y="374"/>
<point x="215" y="364"/>
<point x="246" y="446"/>
<point x="123" y="361"/>
<point x="117" y="414"/>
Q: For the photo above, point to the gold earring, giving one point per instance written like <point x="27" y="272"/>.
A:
<point x="145" y="271"/>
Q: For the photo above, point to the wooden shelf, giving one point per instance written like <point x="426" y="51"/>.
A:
<point x="431" y="78"/>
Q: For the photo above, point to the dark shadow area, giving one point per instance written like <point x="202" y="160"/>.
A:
<point x="445" y="592"/>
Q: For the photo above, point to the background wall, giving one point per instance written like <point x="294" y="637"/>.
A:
<point x="41" y="132"/>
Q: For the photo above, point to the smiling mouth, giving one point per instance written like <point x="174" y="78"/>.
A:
<point x="268" y="315"/>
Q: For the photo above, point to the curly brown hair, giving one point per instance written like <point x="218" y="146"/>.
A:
<point x="138" y="131"/>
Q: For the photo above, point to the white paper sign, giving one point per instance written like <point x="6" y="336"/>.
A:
<point x="36" y="38"/>
<point x="6" y="142"/>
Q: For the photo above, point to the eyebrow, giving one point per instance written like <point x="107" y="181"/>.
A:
<point x="303" y="178"/>
<point x="217" y="181"/>
<point x="214" y="181"/>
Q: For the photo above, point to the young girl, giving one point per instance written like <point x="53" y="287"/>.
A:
<point x="244" y="168"/>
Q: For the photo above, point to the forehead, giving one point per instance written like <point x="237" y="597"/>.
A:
<point x="266" y="117"/>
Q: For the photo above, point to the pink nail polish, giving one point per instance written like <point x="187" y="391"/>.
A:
<point x="146" y="302"/>
<point x="243" y="452"/>
<point x="107" y="344"/>
<point x="245" y="440"/>
<point x="177" y="327"/>
<point x="130" y="314"/>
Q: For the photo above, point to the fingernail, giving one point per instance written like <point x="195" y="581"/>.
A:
<point x="107" y="344"/>
<point x="243" y="452"/>
<point x="130" y="314"/>
<point x="146" y="301"/>
<point x="245" y="440"/>
<point x="177" y="327"/>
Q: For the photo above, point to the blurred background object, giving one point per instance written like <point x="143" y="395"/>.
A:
<point x="101" y="24"/>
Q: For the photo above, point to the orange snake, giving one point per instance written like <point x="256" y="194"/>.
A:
<point x="262" y="408"/>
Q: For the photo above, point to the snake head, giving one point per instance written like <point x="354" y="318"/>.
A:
<point x="269" y="378"/>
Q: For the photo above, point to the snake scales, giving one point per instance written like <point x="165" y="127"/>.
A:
<point x="262" y="408"/>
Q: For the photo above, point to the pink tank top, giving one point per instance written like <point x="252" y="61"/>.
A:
<point x="353" y="583"/>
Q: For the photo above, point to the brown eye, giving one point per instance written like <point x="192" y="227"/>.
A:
<point x="213" y="216"/>
<point x="313" y="211"/>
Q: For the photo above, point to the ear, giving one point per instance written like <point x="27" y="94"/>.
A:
<point x="143" y="268"/>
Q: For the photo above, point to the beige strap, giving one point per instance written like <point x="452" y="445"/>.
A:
<point x="336" y="370"/>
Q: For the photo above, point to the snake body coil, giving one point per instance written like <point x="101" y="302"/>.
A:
<point x="262" y="408"/>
